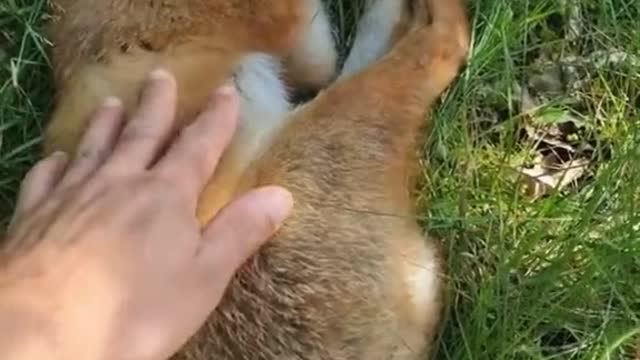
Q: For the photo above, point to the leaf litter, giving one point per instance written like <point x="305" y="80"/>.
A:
<point x="564" y="148"/>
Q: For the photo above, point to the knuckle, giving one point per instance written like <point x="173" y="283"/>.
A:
<point x="90" y="154"/>
<point x="137" y="194"/>
<point x="194" y="138"/>
<point x="137" y="134"/>
<point x="195" y="149"/>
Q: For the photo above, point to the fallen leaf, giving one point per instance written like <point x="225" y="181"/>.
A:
<point x="548" y="175"/>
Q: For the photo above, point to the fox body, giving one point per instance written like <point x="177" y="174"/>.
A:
<point x="339" y="280"/>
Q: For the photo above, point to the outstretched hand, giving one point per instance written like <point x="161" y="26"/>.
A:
<point x="105" y="258"/>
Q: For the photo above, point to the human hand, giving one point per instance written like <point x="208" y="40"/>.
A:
<point x="105" y="258"/>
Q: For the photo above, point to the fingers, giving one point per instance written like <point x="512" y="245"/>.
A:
<point x="97" y="143"/>
<point x="149" y="127"/>
<point x="241" y="229"/>
<point x="192" y="159"/>
<point x="40" y="182"/>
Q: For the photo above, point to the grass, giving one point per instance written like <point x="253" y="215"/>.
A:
<point x="25" y="93"/>
<point x="552" y="277"/>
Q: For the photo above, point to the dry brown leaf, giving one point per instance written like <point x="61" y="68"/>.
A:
<point x="548" y="175"/>
<point x="551" y="135"/>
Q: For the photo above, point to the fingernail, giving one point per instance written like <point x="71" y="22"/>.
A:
<point x="160" y="74"/>
<point x="60" y="155"/>
<point x="226" y="90"/>
<point x="280" y="203"/>
<point x="112" y="102"/>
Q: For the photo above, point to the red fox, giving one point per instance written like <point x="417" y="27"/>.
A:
<point x="336" y="282"/>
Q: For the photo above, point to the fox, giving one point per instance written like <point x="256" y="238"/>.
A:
<point x="338" y="280"/>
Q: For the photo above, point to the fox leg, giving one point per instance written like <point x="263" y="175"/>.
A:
<point x="348" y="156"/>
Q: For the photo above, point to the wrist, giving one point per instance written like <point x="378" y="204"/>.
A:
<point x="38" y="322"/>
<point x="30" y="328"/>
<point x="25" y="334"/>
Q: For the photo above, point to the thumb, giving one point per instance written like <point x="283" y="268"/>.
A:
<point x="240" y="229"/>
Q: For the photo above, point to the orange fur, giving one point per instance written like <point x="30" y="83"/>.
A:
<point x="337" y="282"/>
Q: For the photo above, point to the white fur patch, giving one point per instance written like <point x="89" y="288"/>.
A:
<point x="373" y="36"/>
<point x="264" y="101"/>
<point x="423" y="280"/>
<point x="316" y="50"/>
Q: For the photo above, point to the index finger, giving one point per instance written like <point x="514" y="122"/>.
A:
<point x="149" y="128"/>
<point x="193" y="157"/>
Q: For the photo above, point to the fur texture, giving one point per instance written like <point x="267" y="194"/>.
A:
<point x="339" y="281"/>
